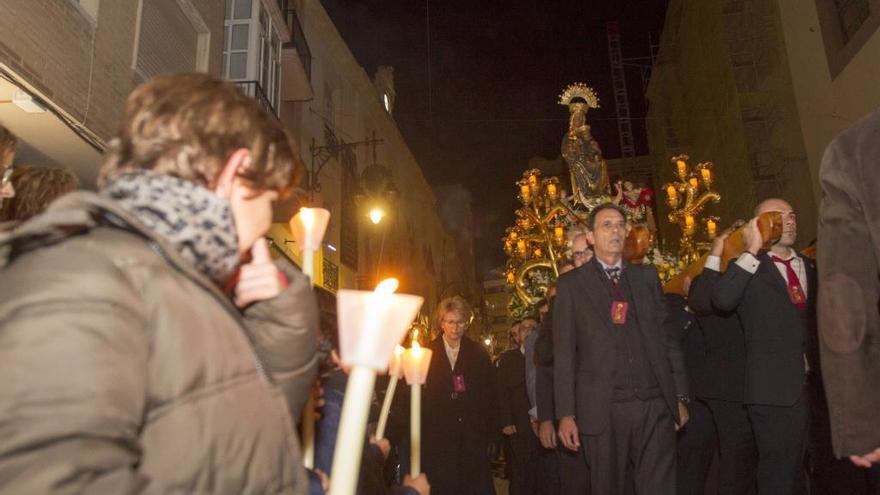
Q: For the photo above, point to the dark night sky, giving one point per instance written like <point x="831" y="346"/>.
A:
<point x="496" y="70"/>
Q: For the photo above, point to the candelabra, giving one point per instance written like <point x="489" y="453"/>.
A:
<point x="687" y="197"/>
<point x="538" y="236"/>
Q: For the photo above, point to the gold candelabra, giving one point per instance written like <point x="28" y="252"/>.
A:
<point x="538" y="235"/>
<point x="687" y="197"/>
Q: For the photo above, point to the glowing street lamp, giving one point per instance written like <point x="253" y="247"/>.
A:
<point x="376" y="215"/>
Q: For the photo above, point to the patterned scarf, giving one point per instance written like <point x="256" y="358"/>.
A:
<point x="192" y="218"/>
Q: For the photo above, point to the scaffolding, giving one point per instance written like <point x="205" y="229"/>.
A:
<point x="621" y="99"/>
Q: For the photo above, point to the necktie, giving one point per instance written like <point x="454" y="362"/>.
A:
<point x="795" y="291"/>
<point x="614" y="275"/>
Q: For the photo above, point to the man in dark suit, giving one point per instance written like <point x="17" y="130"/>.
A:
<point x="513" y="412"/>
<point x="774" y="295"/>
<point x="618" y="375"/>
<point x="723" y="379"/>
<point x="573" y="474"/>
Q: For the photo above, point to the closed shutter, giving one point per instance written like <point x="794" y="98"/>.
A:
<point x="168" y="40"/>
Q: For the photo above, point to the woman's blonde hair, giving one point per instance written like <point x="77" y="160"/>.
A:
<point x="454" y="303"/>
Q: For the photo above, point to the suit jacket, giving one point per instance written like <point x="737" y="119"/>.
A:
<point x="470" y="415"/>
<point x="544" y="393"/>
<point x="682" y="323"/>
<point x="544" y="343"/>
<point x="777" y="334"/>
<point x="513" y="401"/>
<point x="848" y="251"/>
<point x="583" y="344"/>
<point x="725" y="372"/>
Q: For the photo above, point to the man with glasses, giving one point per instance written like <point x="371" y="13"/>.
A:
<point x="774" y="294"/>
<point x="619" y="379"/>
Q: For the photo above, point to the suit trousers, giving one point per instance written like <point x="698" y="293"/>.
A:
<point x="574" y="475"/>
<point x="781" y="436"/>
<point x="738" y="459"/>
<point x="522" y="461"/>
<point x="697" y="442"/>
<point x="638" y="446"/>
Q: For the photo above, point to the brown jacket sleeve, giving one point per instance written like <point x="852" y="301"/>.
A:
<point x="74" y="350"/>
<point x="849" y="288"/>
<point x="284" y="332"/>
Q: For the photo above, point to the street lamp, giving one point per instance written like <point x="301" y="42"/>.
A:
<point x="376" y="215"/>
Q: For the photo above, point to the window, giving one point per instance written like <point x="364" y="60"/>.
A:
<point x="236" y="40"/>
<point x="270" y="58"/>
<point x="846" y="26"/>
<point x="172" y="37"/>
<point x="851" y="15"/>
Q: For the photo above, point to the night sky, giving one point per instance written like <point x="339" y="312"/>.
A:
<point x="496" y="70"/>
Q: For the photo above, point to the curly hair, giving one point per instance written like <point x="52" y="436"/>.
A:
<point x="188" y="125"/>
<point x="35" y="189"/>
<point x="8" y="142"/>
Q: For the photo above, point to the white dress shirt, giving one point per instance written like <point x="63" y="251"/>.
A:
<point x="451" y="352"/>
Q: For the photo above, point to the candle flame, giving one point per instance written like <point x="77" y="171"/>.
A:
<point x="387" y="286"/>
<point x="308" y="218"/>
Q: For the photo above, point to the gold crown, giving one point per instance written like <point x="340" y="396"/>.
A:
<point x="579" y="90"/>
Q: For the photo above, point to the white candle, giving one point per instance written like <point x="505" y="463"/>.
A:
<point x="370" y="324"/>
<point x="416" y="361"/>
<point x="394" y="372"/>
<point x="308" y="432"/>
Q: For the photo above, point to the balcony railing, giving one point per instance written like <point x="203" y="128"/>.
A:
<point x="298" y="41"/>
<point x="255" y="91"/>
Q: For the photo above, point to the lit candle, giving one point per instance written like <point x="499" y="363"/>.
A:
<point x="693" y="182"/>
<point x="525" y="190"/>
<point x="533" y="180"/>
<point x="671" y="193"/>
<point x="308" y="227"/>
<point x="681" y="167"/>
<point x="710" y="227"/>
<point x="551" y="190"/>
<point x="370" y="324"/>
<point x="513" y="235"/>
<point x="394" y="371"/>
<point x="706" y="174"/>
<point x="521" y="246"/>
<point x="558" y="232"/>
<point x="511" y="278"/>
<point x="689" y="221"/>
<point x="416" y="361"/>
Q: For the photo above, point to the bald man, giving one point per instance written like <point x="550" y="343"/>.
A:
<point x="774" y="295"/>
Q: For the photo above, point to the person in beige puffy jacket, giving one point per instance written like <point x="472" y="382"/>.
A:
<point x="148" y="344"/>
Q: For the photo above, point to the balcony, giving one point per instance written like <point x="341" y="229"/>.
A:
<point x="296" y="61"/>
<point x="255" y="91"/>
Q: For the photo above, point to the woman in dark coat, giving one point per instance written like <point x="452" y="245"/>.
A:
<point x="457" y="417"/>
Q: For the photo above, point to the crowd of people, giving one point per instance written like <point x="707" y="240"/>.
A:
<point x="150" y="344"/>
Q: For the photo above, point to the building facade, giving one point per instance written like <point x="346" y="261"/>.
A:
<point x="68" y="65"/>
<point x="357" y="161"/>
<point x="760" y="88"/>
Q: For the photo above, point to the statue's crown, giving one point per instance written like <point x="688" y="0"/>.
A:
<point x="581" y="91"/>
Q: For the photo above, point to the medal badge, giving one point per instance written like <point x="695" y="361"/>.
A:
<point x="618" y="312"/>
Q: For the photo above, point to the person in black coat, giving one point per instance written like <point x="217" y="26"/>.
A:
<point x="458" y="419"/>
<point x="619" y="378"/>
<point x="696" y="444"/>
<point x="723" y="379"/>
<point x="774" y="295"/>
<point x="513" y="411"/>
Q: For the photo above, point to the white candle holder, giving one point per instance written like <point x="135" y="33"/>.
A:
<point x="416" y="361"/>
<point x="308" y="227"/>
